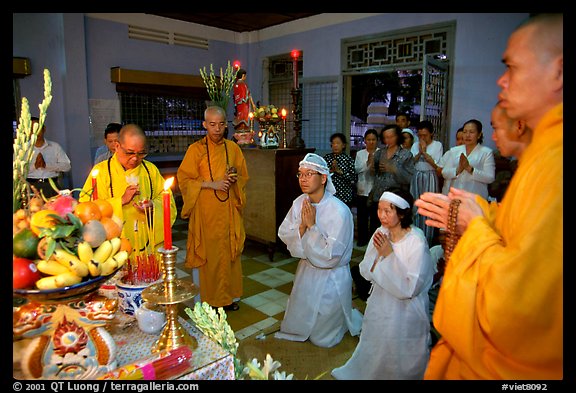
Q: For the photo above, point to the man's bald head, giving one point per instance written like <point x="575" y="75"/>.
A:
<point x="130" y="131"/>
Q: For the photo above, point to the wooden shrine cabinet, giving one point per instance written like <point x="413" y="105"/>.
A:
<point x="270" y="191"/>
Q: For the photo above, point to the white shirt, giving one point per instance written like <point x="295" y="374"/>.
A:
<point x="320" y="304"/>
<point x="365" y="179"/>
<point x="434" y="149"/>
<point x="56" y="161"/>
<point x="481" y="159"/>
<point x="396" y="326"/>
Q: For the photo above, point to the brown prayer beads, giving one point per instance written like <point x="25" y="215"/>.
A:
<point x="451" y="235"/>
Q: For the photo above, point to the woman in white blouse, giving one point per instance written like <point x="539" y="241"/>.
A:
<point x="427" y="153"/>
<point x="470" y="166"/>
<point x="363" y="165"/>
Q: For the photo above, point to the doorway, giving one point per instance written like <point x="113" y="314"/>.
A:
<point x="404" y="71"/>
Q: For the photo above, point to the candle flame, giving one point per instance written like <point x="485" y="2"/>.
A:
<point x="236" y="64"/>
<point x="250" y="115"/>
<point x="283" y="112"/>
<point x="94" y="172"/>
<point x="295" y="54"/>
<point x="168" y="183"/>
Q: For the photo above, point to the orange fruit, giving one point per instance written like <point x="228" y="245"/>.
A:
<point x="105" y="207"/>
<point x="87" y="211"/>
<point x="41" y="219"/>
<point x="112" y="229"/>
<point x="125" y="245"/>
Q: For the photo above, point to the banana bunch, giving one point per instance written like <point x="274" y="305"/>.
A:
<point x="67" y="269"/>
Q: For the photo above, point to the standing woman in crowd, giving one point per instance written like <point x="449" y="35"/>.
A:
<point x="393" y="168"/>
<point x="459" y="141"/>
<point x="425" y="179"/>
<point x="342" y="168"/>
<point x="471" y="166"/>
<point x="364" y="166"/>
<point x="395" y="335"/>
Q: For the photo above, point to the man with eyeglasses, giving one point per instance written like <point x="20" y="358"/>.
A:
<point x="319" y="229"/>
<point x="132" y="184"/>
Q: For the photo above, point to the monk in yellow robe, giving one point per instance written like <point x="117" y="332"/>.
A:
<point x="212" y="178"/>
<point x="500" y="306"/>
<point x="125" y="179"/>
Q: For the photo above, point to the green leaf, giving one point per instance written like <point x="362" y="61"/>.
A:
<point x="57" y="217"/>
<point x="67" y="231"/>
<point x="74" y="220"/>
<point x="46" y="232"/>
<point x="50" y="247"/>
<point x="64" y="246"/>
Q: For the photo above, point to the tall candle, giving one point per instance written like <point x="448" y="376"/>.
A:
<point x="284" y="144"/>
<point x="295" y="54"/>
<point x="94" y="174"/>
<point x="166" y="211"/>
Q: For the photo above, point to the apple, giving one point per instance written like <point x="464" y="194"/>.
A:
<point x="24" y="273"/>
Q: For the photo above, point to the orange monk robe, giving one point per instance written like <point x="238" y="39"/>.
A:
<point x="500" y="306"/>
<point x="151" y="185"/>
<point x="216" y="227"/>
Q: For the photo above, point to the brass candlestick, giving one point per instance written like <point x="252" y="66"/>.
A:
<point x="171" y="292"/>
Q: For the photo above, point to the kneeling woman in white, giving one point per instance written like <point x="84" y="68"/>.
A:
<point x="394" y="343"/>
<point x="319" y="229"/>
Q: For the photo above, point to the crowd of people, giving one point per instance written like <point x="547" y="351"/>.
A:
<point x="472" y="290"/>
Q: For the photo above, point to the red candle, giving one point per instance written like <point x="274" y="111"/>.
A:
<point x="166" y="211"/>
<point x="295" y="54"/>
<point x="94" y="174"/>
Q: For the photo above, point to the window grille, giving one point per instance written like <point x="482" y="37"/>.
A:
<point x="396" y="50"/>
<point x="320" y="113"/>
<point x="171" y="123"/>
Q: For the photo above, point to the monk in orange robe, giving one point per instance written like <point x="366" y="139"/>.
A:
<point x="500" y="306"/>
<point x="212" y="178"/>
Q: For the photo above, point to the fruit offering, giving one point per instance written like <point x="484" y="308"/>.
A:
<point x="65" y="242"/>
<point x="267" y="114"/>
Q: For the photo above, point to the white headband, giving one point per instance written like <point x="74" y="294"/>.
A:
<point x="395" y="200"/>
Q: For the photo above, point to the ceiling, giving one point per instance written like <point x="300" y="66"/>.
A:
<point x="238" y="22"/>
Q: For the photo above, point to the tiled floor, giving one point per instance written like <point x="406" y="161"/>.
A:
<point x="267" y="284"/>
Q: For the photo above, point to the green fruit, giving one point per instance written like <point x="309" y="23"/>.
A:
<point x="25" y="244"/>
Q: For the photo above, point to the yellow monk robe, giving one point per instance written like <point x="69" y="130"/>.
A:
<point x="500" y="306"/>
<point x="151" y="184"/>
<point x="216" y="227"/>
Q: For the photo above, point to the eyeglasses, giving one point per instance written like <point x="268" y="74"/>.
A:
<point x="140" y="154"/>
<point x="306" y="175"/>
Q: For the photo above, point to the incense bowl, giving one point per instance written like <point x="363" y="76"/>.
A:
<point x="130" y="296"/>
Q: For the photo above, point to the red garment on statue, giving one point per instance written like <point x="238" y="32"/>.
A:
<point x="242" y="104"/>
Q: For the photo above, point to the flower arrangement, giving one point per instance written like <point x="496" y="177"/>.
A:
<point x="26" y="136"/>
<point x="219" y="90"/>
<point x="214" y="325"/>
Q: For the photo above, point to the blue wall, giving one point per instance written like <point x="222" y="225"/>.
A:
<point x="80" y="50"/>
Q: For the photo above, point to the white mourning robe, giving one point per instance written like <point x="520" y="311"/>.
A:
<point x="396" y="327"/>
<point x="320" y="305"/>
